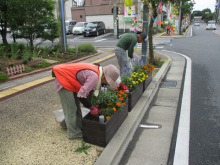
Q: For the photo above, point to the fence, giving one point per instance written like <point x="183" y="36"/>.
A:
<point x="15" y="70"/>
<point x="20" y="68"/>
<point x="35" y="61"/>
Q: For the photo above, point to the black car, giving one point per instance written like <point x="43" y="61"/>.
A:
<point x="94" y="28"/>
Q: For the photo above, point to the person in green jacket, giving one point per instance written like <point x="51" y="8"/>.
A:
<point x="127" y="43"/>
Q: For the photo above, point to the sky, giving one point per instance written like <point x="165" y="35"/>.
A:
<point x="203" y="4"/>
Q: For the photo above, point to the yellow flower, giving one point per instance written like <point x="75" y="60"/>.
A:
<point x="108" y="117"/>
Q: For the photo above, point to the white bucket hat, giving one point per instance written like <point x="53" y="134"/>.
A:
<point x="111" y="73"/>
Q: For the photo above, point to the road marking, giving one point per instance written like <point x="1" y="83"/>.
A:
<point x="100" y="40"/>
<point x="104" y="35"/>
<point x="216" y="32"/>
<point x="181" y="156"/>
<point x="39" y="81"/>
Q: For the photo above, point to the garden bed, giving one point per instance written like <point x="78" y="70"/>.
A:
<point x="18" y="54"/>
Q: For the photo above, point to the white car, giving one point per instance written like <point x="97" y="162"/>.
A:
<point x="196" y="23"/>
<point x="79" y="28"/>
<point x="211" y="25"/>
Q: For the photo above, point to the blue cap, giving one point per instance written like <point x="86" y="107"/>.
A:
<point x="144" y="35"/>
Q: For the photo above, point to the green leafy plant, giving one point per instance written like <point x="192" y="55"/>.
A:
<point x="14" y="50"/>
<point x="4" y="51"/>
<point x="83" y="148"/>
<point x="46" y="51"/>
<point x="24" y="61"/>
<point x="27" y="69"/>
<point x="3" y="76"/>
<point x="36" y="53"/>
<point x="86" y="47"/>
<point x="19" y="56"/>
<point x="43" y="64"/>
<point x="139" y="73"/>
<point x="110" y="101"/>
<point x="56" y="53"/>
<point x="26" y="52"/>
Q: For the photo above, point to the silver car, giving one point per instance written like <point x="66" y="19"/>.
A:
<point x="69" y="26"/>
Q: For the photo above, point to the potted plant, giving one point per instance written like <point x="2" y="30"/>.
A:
<point x="136" y="79"/>
<point x="112" y="104"/>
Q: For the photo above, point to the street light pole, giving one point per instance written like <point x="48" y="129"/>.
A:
<point x="145" y="29"/>
<point x="179" y="28"/>
<point x="61" y="16"/>
<point x="115" y="24"/>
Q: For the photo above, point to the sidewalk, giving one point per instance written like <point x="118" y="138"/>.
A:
<point x="158" y="105"/>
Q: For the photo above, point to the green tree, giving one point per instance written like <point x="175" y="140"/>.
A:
<point x="187" y="8"/>
<point x="4" y="7"/>
<point x="207" y="14"/>
<point x="29" y="18"/>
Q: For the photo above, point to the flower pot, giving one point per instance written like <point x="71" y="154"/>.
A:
<point x="147" y="81"/>
<point x="134" y="96"/>
<point x="101" y="133"/>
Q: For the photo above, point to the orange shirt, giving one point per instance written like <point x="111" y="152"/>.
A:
<point x="66" y="74"/>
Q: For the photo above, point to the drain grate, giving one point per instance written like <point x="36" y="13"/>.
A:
<point x="166" y="84"/>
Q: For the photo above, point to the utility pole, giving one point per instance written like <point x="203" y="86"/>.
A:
<point x="115" y="25"/>
<point x="145" y="29"/>
<point x="61" y="17"/>
<point x="179" y="23"/>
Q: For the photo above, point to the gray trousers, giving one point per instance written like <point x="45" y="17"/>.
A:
<point x="72" y="113"/>
<point x="122" y="58"/>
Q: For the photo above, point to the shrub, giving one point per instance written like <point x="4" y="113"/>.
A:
<point x="27" y="69"/>
<point x="24" y="61"/>
<point x="86" y="47"/>
<point x="3" y="76"/>
<point x="43" y="64"/>
<point x="160" y="30"/>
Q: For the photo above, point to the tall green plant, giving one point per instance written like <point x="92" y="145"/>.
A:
<point x="4" y="51"/>
<point x="14" y="50"/>
<point x="36" y="53"/>
<point x="46" y="51"/>
<point x="26" y="52"/>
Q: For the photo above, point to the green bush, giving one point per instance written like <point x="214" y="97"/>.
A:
<point x="86" y="47"/>
<point x="27" y="69"/>
<point x="3" y="76"/>
<point x="160" y="30"/>
<point x="43" y="64"/>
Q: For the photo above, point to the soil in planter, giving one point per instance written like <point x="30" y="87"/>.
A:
<point x="92" y="117"/>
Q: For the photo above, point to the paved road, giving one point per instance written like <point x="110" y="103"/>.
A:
<point x="203" y="49"/>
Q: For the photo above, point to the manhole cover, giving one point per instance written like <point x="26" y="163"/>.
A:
<point x="166" y="84"/>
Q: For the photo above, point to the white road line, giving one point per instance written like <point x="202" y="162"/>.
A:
<point x="100" y="40"/>
<point x="181" y="156"/>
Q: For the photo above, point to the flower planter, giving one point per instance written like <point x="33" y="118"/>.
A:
<point x="101" y="133"/>
<point x="147" y="81"/>
<point x="134" y="96"/>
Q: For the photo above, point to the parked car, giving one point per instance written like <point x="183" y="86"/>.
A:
<point x="69" y="26"/>
<point x="211" y="25"/>
<point x="79" y="28"/>
<point x="94" y="28"/>
<point x="196" y="23"/>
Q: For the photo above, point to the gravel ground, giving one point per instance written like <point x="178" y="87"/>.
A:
<point x="30" y="135"/>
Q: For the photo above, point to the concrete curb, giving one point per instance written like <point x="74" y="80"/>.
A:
<point x="114" y="151"/>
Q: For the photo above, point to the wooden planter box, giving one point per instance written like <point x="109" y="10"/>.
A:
<point x="100" y="134"/>
<point x="147" y="81"/>
<point x="134" y="96"/>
